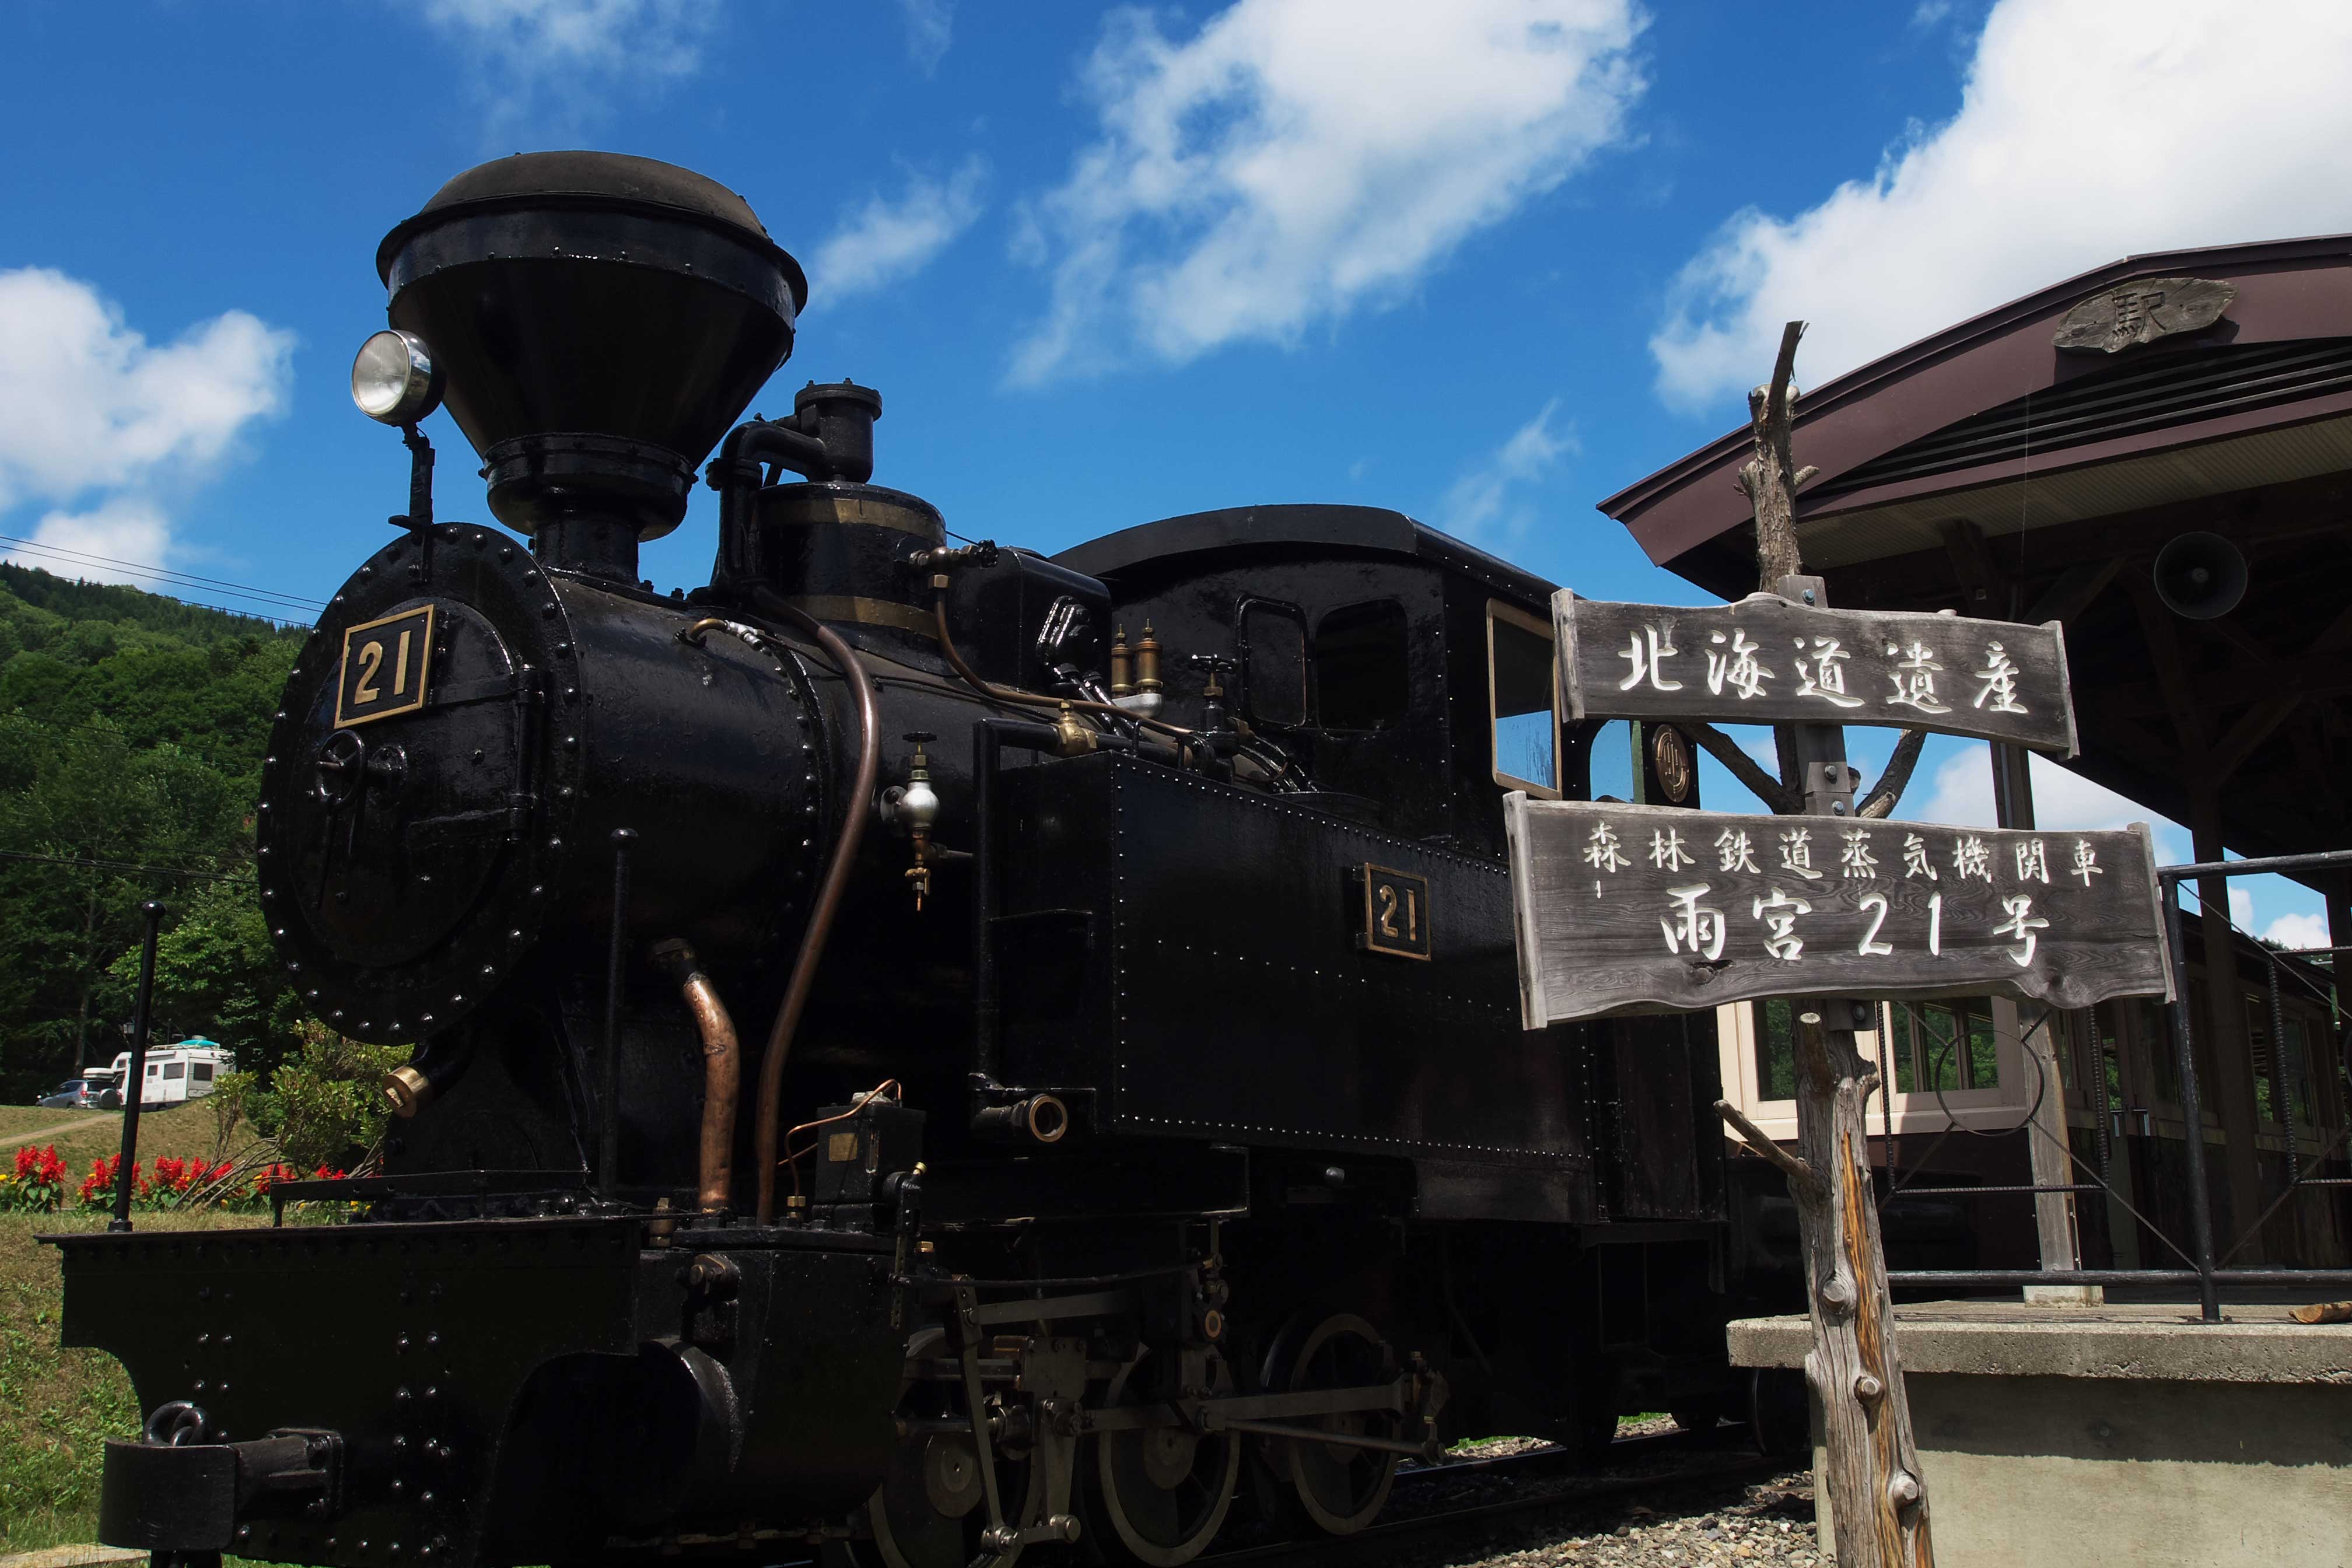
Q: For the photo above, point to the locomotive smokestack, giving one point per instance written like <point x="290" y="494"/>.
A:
<point x="601" y="320"/>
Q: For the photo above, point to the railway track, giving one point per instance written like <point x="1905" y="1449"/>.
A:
<point x="1671" y="1468"/>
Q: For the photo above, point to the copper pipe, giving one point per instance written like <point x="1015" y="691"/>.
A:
<point x="1007" y="694"/>
<point x="856" y="806"/>
<point x="722" y="1073"/>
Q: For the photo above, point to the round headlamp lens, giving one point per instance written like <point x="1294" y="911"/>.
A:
<point x="392" y="379"/>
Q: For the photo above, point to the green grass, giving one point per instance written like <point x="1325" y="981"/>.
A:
<point x="182" y="1132"/>
<point x="58" y="1405"/>
<point x="15" y="1120"/>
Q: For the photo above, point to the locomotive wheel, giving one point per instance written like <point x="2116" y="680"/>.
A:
<point x="930" y="1508"/>
<point x="928" y="1513"/>
<point x="1340" y="1490"/>
<point x="1156" y="1496"/>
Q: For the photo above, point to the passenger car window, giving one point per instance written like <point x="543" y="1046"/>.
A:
<point x="1361" y="666"/>
<point x="1273" y="678"/>
<point x="1525" y="700"/>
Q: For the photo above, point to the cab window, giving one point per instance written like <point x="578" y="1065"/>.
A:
<point x="1525" y="700"/>
<point x="1361" y="666"/>
<point x="1273" y="671"/>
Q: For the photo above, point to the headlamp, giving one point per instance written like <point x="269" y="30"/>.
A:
<point x="394" y="379"/>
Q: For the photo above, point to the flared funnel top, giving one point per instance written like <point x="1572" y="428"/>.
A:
<point x="601" y="319"/>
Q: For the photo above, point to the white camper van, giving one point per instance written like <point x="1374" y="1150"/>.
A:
<point x="175" y="1073"/>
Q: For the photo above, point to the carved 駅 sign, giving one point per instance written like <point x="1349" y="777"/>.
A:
<point x="1633" y="909"/>
<point x="1767" y="660"/>
<point x="2143" y="311"/>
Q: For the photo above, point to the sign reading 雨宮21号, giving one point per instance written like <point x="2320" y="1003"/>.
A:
<point x="1626" y="908"/>
<point x="1768" y="661"/>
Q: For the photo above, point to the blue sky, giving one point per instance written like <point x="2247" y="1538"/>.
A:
<point x="1485" y="262"/>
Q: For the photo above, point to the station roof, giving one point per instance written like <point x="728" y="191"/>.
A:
<point x="2028" y="463"/>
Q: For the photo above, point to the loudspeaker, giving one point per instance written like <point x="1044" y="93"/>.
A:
<point x="2201" y="576"/>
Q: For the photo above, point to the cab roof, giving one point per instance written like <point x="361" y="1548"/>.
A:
<point x="1364" y="530"/>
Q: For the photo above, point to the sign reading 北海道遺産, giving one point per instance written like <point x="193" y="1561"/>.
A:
<point x="1767" y="660"/>
<point x="1634" y="909"/>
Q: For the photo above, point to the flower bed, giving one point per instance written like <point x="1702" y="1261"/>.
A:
<point x="37" y="1182"/>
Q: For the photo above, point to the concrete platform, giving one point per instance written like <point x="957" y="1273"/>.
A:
<point x="2118" y="1434"/>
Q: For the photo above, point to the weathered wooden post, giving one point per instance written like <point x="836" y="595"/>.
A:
<point x="1619" y="912"/>
<point x="1878" y="1504"/>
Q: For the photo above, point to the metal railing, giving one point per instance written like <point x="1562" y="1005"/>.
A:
<point x="2204" y="1270"/>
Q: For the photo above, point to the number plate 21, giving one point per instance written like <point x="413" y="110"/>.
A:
<point x="385" y="668"/>
<point x="1396" y="912"/>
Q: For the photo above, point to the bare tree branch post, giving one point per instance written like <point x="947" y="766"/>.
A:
<point x="1878" y="1504"/>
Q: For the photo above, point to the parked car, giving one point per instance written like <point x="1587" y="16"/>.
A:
<point x="74" y="1094"/>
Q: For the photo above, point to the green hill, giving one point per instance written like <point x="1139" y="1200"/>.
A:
<point x="131" y="733"/>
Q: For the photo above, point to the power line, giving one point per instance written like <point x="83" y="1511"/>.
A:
<point x="172" y="571"/>
<point x="123" y="866"/>
<point x="164" y="574"/>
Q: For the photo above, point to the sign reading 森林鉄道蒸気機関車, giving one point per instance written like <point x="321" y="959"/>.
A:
<point x="1635" y="909"/>
<point x="1769" y="660"/>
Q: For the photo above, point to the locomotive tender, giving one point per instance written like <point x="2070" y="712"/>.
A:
<point x="1145" y="1123"/>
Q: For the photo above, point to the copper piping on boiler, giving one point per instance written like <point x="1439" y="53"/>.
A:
<point x="722" y="1073"/>
<point x="856" y="806"/>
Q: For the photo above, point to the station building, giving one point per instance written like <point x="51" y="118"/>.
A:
<point x="2034" y="463"/>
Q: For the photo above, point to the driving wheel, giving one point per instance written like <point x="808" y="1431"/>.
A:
<point x="1156" y="1495"/>
<point x="1339" y="1490"/>
<point x="931" y="1506"/>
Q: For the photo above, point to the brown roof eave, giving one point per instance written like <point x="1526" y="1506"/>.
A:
<point x="1630" y="505"/>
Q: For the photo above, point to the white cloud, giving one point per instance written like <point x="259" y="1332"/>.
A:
<point x="1483" y="505"/>
<point x="1961" y="792"/>
<point x="125" y="532"/>
<point x="2088" y="130"/>
<point x="1296" y="160"/>
<point x="102" y="424"/>
<point x="884" y="241"/>
<point x="930" y="27"/>
<point x="570" y="52"/>
<point x="2298" y="930"/>
<point x="87" y="404"/>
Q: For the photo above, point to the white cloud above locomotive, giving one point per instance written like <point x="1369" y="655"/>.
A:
<point x="103" y="425"/>
<point x="2088" y="130"/>
<point x="1296" y="160"/>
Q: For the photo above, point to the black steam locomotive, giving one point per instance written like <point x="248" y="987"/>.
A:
<point x="1145" y="1123"/>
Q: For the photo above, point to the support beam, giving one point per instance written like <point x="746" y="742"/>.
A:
<point x="2241" y="740"/>
<point x="2229" y="1055"/>
<point x="2072" y="593"/>
<point x="2046" y="1145"/>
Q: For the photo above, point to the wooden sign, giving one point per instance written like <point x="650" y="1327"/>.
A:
<point x="2141" y="312"/>
<point x="1767" y="660"/>
<point x="1626" y="908"/>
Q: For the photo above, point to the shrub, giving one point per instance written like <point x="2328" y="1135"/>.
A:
<point x="325" y="1106"/>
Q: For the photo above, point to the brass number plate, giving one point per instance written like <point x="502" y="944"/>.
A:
<point x="1396" y="913"/>
<point x="385" y="663"/>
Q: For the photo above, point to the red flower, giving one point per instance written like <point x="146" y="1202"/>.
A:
<point x="53" y="1165"/>
<point x="28" y="1163"/>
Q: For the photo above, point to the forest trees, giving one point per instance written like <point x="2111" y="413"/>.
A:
<point x="131" y="733"/>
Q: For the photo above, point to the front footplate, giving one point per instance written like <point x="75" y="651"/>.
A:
<point x="336" y="1394"/>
